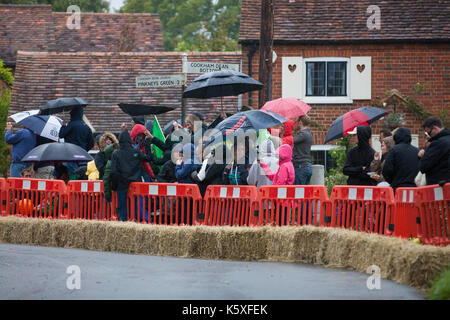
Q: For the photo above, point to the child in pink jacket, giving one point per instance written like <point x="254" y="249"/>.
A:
<point x="285" y="174"/>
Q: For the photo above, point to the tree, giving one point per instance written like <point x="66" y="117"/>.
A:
<point x="195" y="25"/>
<point x="62" y="5"/>
<point x="6" y="80"/>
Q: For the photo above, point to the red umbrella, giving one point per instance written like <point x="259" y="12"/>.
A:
<point x="287" y="107"/>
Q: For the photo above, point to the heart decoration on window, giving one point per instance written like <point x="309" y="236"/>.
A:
<point x="361" y="67"/>
<point x="292" y="67"/>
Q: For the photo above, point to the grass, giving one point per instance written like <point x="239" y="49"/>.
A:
<point x="440" y="289"/>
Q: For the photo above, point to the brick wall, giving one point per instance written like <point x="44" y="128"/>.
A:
<point x="394" y="66"/>
<point x="106" y="79"/>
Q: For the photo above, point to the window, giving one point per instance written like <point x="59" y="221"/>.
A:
<point x="326" y="80"/>
<point x="320" y="155"/>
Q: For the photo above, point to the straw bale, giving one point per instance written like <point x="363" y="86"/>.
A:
<point x="399" y="260"/>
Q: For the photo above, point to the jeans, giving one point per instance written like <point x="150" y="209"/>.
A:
<point x="122" y="202"/>
<point x="15" y="170"/>
<point x="303" y="175"/>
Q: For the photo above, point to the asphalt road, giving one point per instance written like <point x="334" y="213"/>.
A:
<point x="29" y="272"/>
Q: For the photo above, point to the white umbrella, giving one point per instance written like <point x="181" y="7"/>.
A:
<point x="45" y="126"/>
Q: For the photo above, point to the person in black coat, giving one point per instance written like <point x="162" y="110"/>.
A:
<point x="435" y="160"/>
<point x="402" y="161"/>
<point x="125" y="168"/>
<point x="357" y="163"/>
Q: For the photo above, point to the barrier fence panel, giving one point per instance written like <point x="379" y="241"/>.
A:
<point x="86" y="200"/>
<point x="3" y="196"/>
<point x="36" y="198"/>
<point x="363" y="208"/>
<point x="165" y="203"/>
<point x="406" y="213"/>
<point x="230" y="205"/>
<point x="294" y="205"/>
<point x="434" y="214"/>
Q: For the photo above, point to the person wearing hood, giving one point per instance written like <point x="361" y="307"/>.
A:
<point x="126" y="167"/>
<point x="288" y="128"/>
<point x="359" y="158"/>
<point x="23" y="141"/>
<point x="285" y="175"/>
<point x="435" y="160"/>
<point x="78" y="133"/>
<point x="186" y="164"/>
<point x="105" y="140"/>
<point x="266" y="154"/>
<point x="139" y="135"/>
<point x="402" y="162"/>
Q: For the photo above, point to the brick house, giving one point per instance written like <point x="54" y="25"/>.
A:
<point x="106" y="79"/>
<point x="37" y="28"/>
<point x="328" y="57"/>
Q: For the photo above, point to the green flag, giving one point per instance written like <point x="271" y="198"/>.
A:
<point x="158" y="133"/>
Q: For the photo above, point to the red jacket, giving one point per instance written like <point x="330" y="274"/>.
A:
<point x="288" y="129"/>
<point x="138" y="129"/>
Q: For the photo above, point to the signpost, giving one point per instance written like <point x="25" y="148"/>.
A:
<point x="153" y="81"/>
<point x="204" y="67"/>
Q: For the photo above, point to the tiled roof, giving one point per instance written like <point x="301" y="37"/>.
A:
<point x="346" y="20"/>
<point x="37" y="28"/>
<point x="106" y="79"/>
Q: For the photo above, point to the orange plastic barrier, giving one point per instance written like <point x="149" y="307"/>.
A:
<point x="230" y="205"/>
<point x="164" y="203"/>
<point x="86" y="200"/>
<point x="294" y="205"/>
<point x="434" y="222"/>
<point x="3" y="196"/>
<point x="363" y="208"/>
<point x="36" y="198"/>
<point x="406" y="213"/>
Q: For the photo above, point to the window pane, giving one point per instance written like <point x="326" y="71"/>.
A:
<point x="336" y="79"/>
<point x="315" y="78"/>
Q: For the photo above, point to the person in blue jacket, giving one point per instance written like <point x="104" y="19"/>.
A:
<point x="187" y="164"/>
<point x="23" y="141"/>
<point x="77" y="132"/>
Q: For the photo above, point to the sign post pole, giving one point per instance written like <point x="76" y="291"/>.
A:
<point x="183" y="87"/>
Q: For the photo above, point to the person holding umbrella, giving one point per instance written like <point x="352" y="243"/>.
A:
<point x="23" y="141"/>
<point x="302" y="152"/>
<point x="359" y="158"/>
<point x="78" y="133"/>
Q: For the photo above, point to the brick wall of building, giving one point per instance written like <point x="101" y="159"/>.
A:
<point x="394" y="66"/>
<point x="106" y="79"/>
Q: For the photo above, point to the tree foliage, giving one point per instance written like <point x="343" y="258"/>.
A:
<point x="62" y="5"/>
<point x="6" y="79"/>
<point x="195" y="25"/>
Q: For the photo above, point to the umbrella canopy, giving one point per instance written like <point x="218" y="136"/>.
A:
<point x="142" y="109"/>
<point x="348" y="121"/>
<point x="57" y="152"/>
<point x="243" y="121"/>
<point x="45" y="126"/>
<point x="287" y="107"/>
<point x="221" y="84"/>
<point x="61" y="105"/>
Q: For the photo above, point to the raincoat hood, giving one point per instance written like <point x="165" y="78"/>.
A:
<point x="137" y="129"/>
<point x="285" y="153"/>
<point x="124" y="140"/>
<point x="288" y="128"/>
<point x="402" y="135"/>
<point x="76" y="114"/>
<point x="364" y="133"/>
<point x="102" y="141"/>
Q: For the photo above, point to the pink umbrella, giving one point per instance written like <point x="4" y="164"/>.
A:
<point x="287" y="107"/>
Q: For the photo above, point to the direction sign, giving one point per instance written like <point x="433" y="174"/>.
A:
<point x="153" y="81"/>
<point x="204" y="67"/>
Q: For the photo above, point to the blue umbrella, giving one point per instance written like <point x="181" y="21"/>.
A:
<point x="45" y="126"/>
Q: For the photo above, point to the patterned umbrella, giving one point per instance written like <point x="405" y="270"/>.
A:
<point x="45" y="126"/>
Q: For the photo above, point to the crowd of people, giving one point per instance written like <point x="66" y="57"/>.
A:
<point x="283" y="156"/>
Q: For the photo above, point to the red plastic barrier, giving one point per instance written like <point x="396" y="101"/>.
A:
<point x="363" y="208"/>
<point x="406" y="213"/>
<point x="230" y="205"/>
<point x="3" y="196"/>
<point x="164" y="203"/>
<point x="294" y="205"/>
<point x="86" y="200"/>
<point x="434" y="222"/>
<point x="36" y="198"/>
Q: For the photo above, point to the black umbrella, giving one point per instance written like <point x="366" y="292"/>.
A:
<point x="221" y="84"/>
<point x="62" y="105"/>
<point x="57" y="152"/>
<point x="142" y="109"/>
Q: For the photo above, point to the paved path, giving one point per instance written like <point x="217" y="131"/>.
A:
<point x="28" y="272"/>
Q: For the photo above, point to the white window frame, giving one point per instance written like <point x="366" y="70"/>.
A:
<point x="327" y="100"/>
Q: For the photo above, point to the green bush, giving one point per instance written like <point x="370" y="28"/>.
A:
<point x="335" y="177"/>
<point x="440" y="289"/>
<point x="5" y="95"/>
